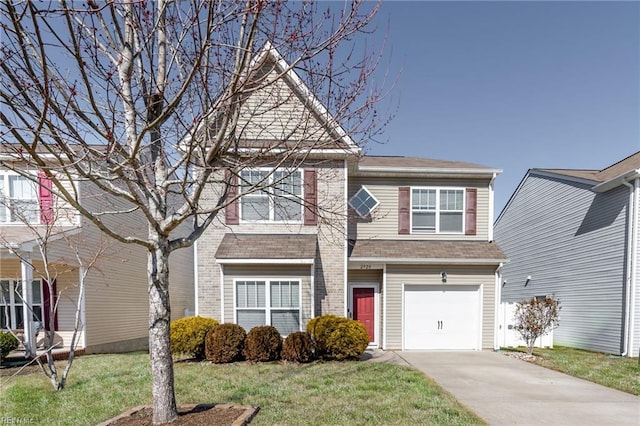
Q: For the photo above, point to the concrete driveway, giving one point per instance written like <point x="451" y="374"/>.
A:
<point x="507" y="391"/>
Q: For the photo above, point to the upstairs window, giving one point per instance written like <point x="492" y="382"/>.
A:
<point x="18" y="199"/>
<point x="363" y="202"/>
<point x="437" y="210"/>
<point x="280" y="200"/>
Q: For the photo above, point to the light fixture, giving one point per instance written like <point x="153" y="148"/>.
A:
<point x="443" y="274"/>
<point x="527" y="281"/>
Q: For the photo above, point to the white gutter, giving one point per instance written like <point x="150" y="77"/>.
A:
<point x="632" y="248"/>
<point x="196" y="289"/>
<point x="616" y="181"/>
<point x="419" y="260"/>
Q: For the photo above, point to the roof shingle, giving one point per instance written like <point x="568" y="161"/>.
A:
<point x="428" y="251"/>
<point x="267" y="246"/>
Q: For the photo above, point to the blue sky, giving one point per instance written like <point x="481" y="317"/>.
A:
<point x="513" y="85"/>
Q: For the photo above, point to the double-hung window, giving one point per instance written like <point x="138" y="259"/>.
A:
<point x="18" y="199"/>
<point x="268" y="302"/>
<point x="437" y="210"/>
<point x="11" y="306"/>
<point x="280" y="198"/>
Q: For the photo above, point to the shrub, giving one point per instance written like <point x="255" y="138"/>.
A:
<point x="534" y="318"/>
<point x="263" y="344"/>
<point x="320" y="328"/>
<point x="188" y="335"/>
<point x="348" y="340"/>
<point x="8" y="342"/>
<point x="224" y="343"/>
<point x="298" y="347"/>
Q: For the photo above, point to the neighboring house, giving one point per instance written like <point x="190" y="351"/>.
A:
<point x="401" y="244"/>
<point x="573" y="234"/>
<point x="114" y="310"/>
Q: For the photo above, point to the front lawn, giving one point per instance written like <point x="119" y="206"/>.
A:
<point x="616" y="372"/>
<point x="101" y="386"/>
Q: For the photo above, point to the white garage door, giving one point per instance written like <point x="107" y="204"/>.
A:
<point x="441" y="317"/>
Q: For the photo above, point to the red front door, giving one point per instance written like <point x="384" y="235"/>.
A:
<point x="363" y="309"/>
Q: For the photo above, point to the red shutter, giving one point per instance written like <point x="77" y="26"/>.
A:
<point x="46" y="304"/>
<point x="470" y="212"/>
<point x="404" y="210"/>
<point x="232" y="216"/>
<point x="45" y="198"/>
<point x="310" y="197"/>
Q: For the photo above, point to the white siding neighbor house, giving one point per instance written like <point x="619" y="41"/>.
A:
<point x="573" y="234"/>
<point x="114" y="310"/>
<point x="403" y="245"/>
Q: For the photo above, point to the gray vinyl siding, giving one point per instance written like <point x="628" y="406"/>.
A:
<point x="384" y="223"/>
<point x="571" y="242"/>
<point x="293" y="272"/>
<point x="397" y="275"/>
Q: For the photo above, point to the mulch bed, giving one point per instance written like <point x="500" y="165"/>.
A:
<point x="191" y="415"/>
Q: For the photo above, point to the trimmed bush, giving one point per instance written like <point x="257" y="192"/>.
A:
<point x="8" y="342"/>
<point x="349" y="340"/>
<point x="298" y="347"/>
<point x="224" y="343"/>
<point x="338" y="338"/>
<point x="320" y="328"/>
<point x="188" y="335"/>
<point x="263" y="344"/>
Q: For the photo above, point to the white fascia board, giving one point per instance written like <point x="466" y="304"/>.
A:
<point x="440" y="172"/>
<point x="308" y="152"/>
<point x="432" y="261"/>
<point x="265" y="261"/>
<point x="617" y="181"/>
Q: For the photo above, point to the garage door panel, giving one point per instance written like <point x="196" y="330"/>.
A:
<point x="441" y="317"/>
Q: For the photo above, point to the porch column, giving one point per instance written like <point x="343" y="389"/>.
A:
<point x="27" y="304"/>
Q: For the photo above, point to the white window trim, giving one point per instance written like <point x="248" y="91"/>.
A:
<point x="437" y="211"/>
<point x="14" y="304"/>
<point x="4" y="193"/>
<point x="271" y="197"/>
<point x="364" y="188"/>
<point x="267" y="298"/>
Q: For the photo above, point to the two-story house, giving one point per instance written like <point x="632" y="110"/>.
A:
<point x="573" y="234"/>
<point x="403" y="245"/>
<point x="113" y="313"/>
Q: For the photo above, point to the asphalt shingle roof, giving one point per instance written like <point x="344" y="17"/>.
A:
<point x="427" y="250"/>
<point x="267" y="246"/>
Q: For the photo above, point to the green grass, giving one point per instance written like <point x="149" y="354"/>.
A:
<point x="101" y="386"/>
<point x="620" y="373"/>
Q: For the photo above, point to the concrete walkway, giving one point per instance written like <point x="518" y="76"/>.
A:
<point x="507" y="391"/>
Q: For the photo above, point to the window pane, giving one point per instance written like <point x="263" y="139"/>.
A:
<point x="287" y="183"/>
<point x="424" y="199"/>
<point x="249" y="319"/>
<point x="24" y="211"/>
<point x="19" y="316"/>
<point x="37" y="315"/>
<point x="363" y="202"/>
<point x="37" y="294"/>
<point x="287" y="209"/>
<point x="424" y="221"/>
<point x="4" y="292"/>
<point x="250" y="178"/>
<point x="286" y="322"/>
<point x="450" y="222"/>
<point x="3" y="208"/>
<point x="451" y="199"/>
<point x="255" y="207"/>
<point x="250" y="294"/>
<point x="4" y="317"/>
<point x="22" y="188"/>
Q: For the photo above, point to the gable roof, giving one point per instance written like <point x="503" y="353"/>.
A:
<point x="399" y="165"/>
<point x="600" y="180"/>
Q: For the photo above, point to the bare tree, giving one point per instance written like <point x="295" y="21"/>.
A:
<point x="55" y="234"/>
<point x="536" y="317"/>
<point x="148" y="101"/>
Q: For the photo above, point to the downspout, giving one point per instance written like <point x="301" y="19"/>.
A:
<point x="491" y="207"/>
<point x="496" y="307"/>
<point x="632" y="243"/>
<point x="196" y="284"/>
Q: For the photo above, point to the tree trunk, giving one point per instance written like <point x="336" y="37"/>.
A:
<point x="164" y="398"/>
